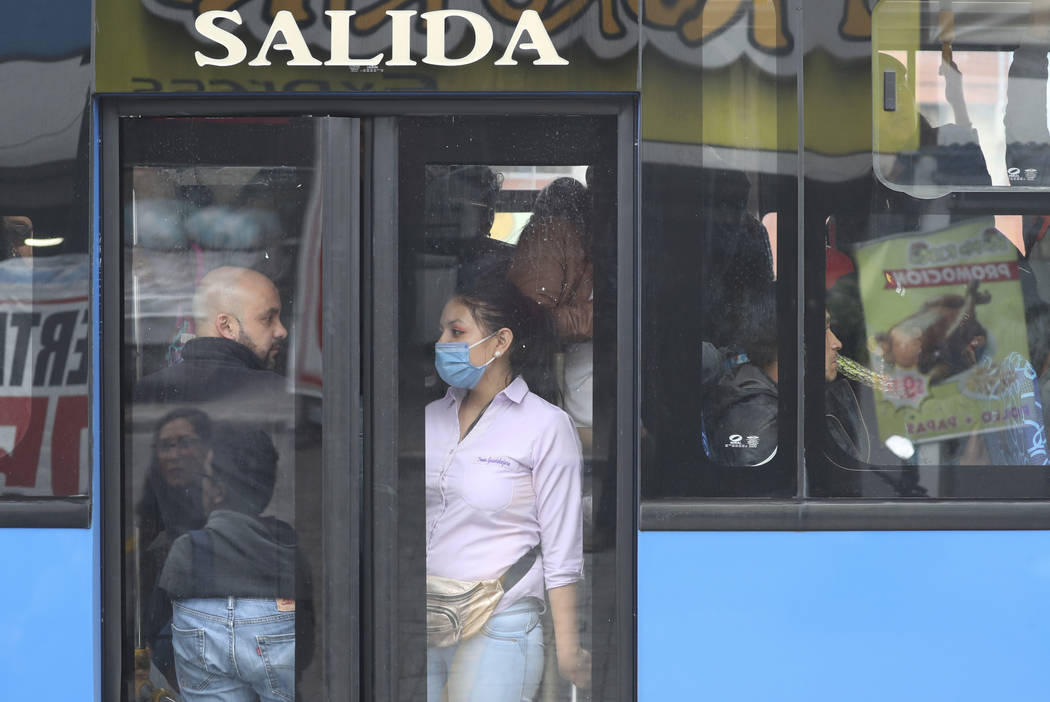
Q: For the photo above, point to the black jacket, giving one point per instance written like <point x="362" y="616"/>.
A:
<point x="848" y="440"/>
<point x="740" y="418"/>
<point x="212" y="369"/>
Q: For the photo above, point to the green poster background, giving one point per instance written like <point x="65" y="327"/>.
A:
<point x="912" y="283"/>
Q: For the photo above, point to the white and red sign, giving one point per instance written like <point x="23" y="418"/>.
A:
<point x="45" y="366"/>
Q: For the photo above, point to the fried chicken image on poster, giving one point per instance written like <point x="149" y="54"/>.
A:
<point x="940" y="340"/>
<point x="944" y="319"/>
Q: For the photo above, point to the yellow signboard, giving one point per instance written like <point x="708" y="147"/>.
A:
<point x="703" y="60"/>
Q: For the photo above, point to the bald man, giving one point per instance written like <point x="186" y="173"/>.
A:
<point x="239" y="334"/>
<point x="227" y="372"/>
<point x="243" y="306"/>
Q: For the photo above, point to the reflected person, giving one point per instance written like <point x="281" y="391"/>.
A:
<point x="228" y="368"/>
<point x="237" y="315"/>
<point x="237" y="584"/>
<point x="15" y="233"/>
<point x="503" y="477"/>
<point x="170" y="506"/>
<point x="552" y="265"/>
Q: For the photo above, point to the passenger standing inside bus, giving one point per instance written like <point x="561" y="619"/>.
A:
<point x="170" y="506"/>
<point x="238" y="584"/>
<point x="229" y="368"/>
<point x="239" y="334"/>
<point x="503" y="477"/>
<point x="552" y="265"/>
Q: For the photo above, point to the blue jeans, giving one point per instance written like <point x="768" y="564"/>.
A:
<point x="233" y="650"/>
<point x="501" y="663"/>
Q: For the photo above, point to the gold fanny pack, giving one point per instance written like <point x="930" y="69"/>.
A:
<point x="458" y="609"/>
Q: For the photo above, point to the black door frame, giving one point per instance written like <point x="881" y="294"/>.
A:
<point x="368" y="300"/>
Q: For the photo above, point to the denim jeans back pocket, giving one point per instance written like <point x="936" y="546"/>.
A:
<point x="278" y="654"/>
<point x="191" y="662"/>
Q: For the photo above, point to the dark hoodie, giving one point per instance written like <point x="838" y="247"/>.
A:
<point x="245" y="556"/>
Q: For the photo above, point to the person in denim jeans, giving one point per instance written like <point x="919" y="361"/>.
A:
<point x="233" y="583"/>
<point x="502" y="663"/>
<point x="503" y="478"/>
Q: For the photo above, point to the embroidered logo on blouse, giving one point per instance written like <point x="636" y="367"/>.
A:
<point x="495" y="460"/>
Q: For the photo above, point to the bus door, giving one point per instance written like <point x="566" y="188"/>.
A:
<point x="280" y="282"/>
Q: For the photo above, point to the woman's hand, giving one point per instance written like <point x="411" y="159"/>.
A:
<point x="576" y="667"/>
<point x="574" y="662"/>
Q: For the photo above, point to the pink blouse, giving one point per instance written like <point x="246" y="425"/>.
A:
<point x="512" y="483"/>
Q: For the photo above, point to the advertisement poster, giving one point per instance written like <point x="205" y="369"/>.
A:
<point x="45" y="363"/>
<point x="946" y="324"/>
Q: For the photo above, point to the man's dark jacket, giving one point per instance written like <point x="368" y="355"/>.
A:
<point x="212" y="369"/>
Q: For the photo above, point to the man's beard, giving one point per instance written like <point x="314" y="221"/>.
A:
<point x="269" y="359"/>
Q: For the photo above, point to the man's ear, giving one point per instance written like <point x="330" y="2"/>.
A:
<point x="227" y="326"/>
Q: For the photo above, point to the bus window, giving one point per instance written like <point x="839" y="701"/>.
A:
<point x="46" y="328"/>
<point x="941" y="324"/>
<point x="222" y="417"/>
<point x="933" y="290"/>
<point x="719" y="352"/>
<point x="45" y="356"/>
<point x="960" y="96"/>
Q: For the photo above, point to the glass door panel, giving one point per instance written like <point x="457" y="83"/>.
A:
<point x="222" y="369"/>
<point x="507" y="261"/>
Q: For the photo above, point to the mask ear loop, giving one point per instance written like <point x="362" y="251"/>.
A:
<point x="482" y="341"/>
<point x="494" y="356"/>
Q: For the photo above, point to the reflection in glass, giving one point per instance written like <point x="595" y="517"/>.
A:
<point x="44" y="359"/>
<point x="966" y="108"/>
<point x="216" y="230"/>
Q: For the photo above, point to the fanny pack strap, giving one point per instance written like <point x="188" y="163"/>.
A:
<point x="522" y="566"/>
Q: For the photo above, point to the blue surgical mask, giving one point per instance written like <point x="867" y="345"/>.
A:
<point x="452" y="360"/>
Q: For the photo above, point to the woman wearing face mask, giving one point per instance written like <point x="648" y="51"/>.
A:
<point x="503" y="494"/>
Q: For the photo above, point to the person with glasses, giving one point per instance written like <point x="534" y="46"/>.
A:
<point x="169" y="507"/>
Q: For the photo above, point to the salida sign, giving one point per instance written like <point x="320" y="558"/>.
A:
<point x="284" y="35"/>
<point x="390" y="33"/>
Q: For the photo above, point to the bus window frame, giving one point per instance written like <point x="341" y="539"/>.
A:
<point x="49" y="512"/>
<point x="375" y="676"/>
<point x="805" y="513"/>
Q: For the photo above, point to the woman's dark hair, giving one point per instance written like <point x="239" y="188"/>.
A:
<point x="496" y="303"/>
<point x="564" y="198"/>
<point x="200" y="422"/>
<point x="168" y="507"/>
